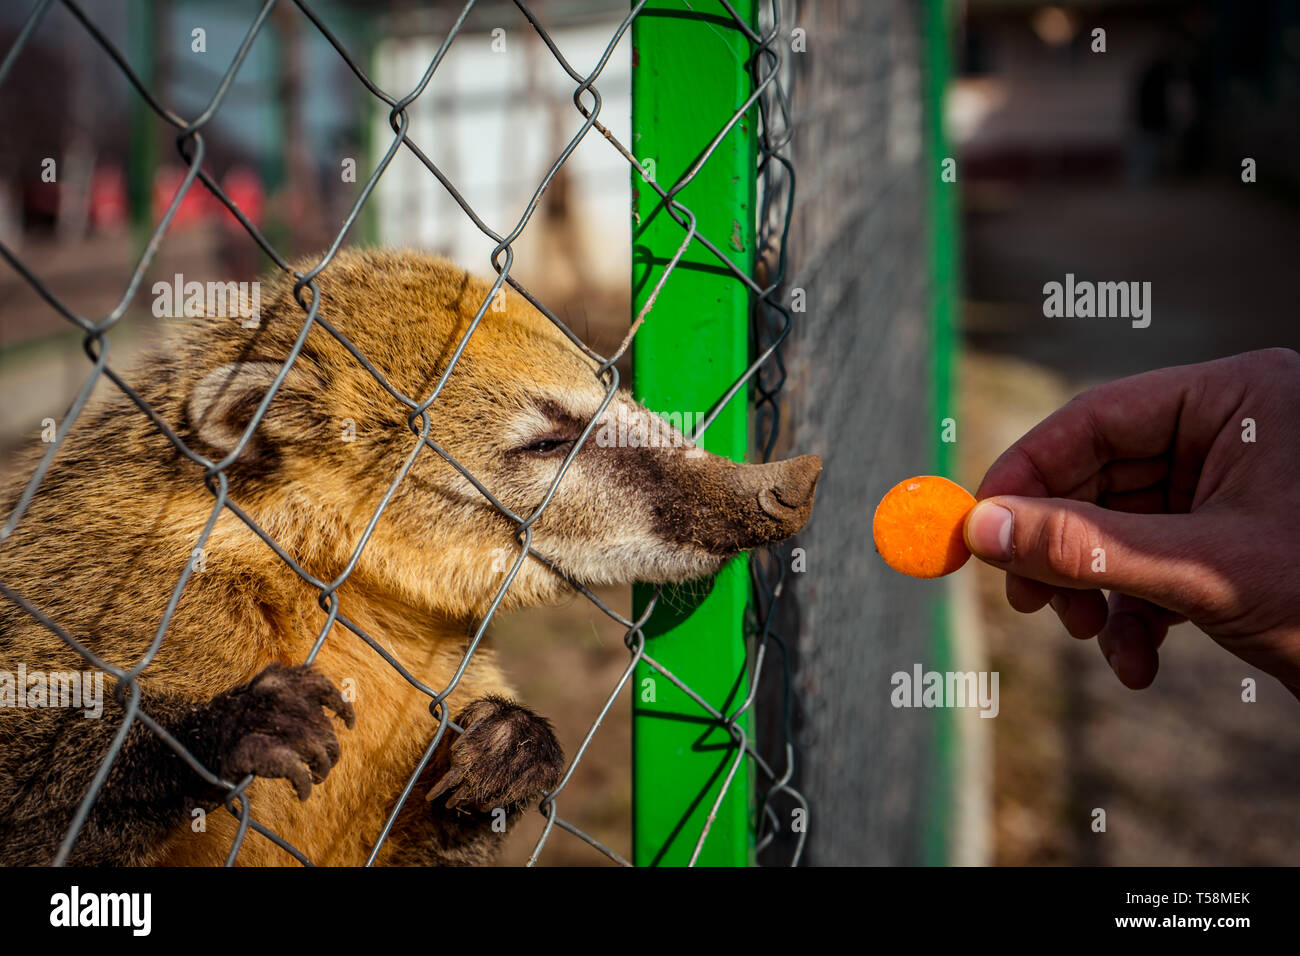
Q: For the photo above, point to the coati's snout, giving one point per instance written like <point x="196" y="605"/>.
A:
<point x="724" y="508"/>
<point x="666" y="510"/>
<point x="785" y="492"/>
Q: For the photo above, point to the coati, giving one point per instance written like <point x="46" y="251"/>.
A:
<point x="119" y="513"/>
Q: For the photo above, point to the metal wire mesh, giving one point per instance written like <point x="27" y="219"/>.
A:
<point x="771" y="322"/>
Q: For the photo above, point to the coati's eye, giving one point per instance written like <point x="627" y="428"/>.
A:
<point x="550" y="447"/>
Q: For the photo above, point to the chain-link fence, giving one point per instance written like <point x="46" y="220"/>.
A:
<point x="771" y="322"/>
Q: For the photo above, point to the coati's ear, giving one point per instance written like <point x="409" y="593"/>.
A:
<point x="222" y="404"/>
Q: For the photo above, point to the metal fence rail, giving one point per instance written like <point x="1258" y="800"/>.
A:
<point x="770" y="318"/>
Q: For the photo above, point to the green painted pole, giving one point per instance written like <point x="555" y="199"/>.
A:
<point x="689" y="76"/>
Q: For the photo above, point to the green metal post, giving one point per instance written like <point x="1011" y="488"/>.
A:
<point x="689" y="76"/>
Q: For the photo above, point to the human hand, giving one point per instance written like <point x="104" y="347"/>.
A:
<point x="1177" y="490"/>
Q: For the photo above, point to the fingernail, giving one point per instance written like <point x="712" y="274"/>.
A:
<point x="988" y="532"/>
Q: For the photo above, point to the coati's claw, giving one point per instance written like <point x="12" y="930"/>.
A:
<point x="507" y="756"/>
<point x="274" y="726"/>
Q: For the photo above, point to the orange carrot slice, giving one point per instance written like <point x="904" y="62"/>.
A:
<point x="918" y="526"/>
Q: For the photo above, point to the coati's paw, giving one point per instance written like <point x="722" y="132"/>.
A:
<point x="507" y="756"/>
<point x="274" y="726"/>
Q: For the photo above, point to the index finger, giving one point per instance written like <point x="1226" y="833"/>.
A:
<point x="1178" y="409"/>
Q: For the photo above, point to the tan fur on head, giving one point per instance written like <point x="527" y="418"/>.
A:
<point x="440" y="544"/>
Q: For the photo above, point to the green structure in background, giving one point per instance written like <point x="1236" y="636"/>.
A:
<point x="142" y="158"/>
<point x="945" y="293"/>
<point x="689" y="76"/>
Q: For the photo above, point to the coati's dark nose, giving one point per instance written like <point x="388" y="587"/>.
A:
<point x="716" y="505"/>
<point x="755" y="505"/>
<point x="789" y="497"/>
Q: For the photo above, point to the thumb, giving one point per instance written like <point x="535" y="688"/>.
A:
<point x="1163" y="558"/>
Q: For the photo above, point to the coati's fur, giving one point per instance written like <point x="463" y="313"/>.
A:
<point x="118" y="514"/>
